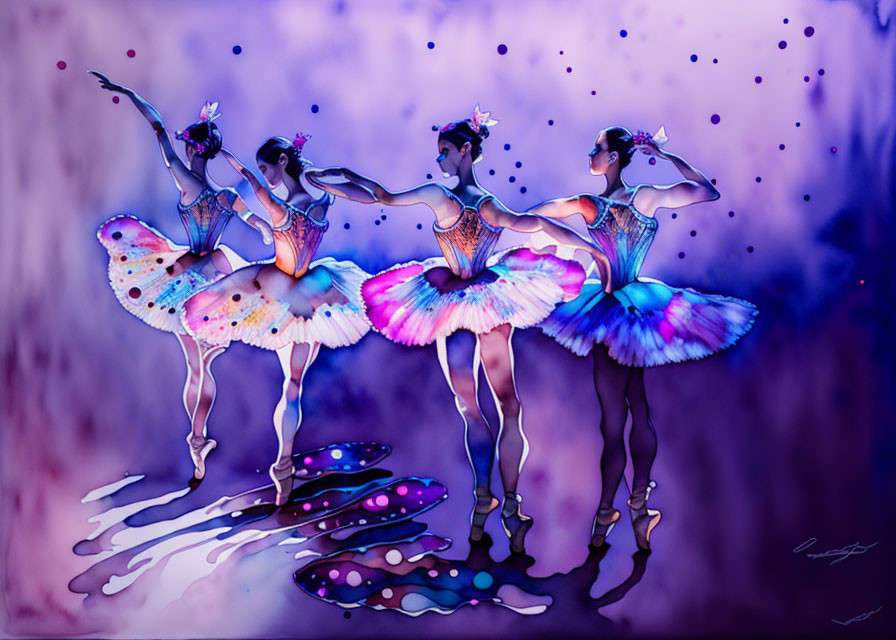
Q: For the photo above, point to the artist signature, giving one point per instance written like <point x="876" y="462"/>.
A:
<point x="859" y="618"/>
<point x="839" y="555"/>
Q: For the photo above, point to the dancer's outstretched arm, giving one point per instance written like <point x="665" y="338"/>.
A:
<point x="695" y="188"/>
<point x="362" y="189"/>
<point x="498" y="215"/>
<point x="263" y="194"/>
<point x="183" y="177"/>
<point x="582" y="204"/>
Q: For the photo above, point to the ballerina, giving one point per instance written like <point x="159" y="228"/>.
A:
<point x="639" y="322"/>
<point x="291" y="306"/>
<point x="152" y="277"/>
<point x="470" y="288"/>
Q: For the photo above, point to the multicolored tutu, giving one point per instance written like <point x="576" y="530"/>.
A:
<point x="648" y="323"/>
<point x="268" y="308"/>
<point x="151" y="276"/>
<point x="419" y="302"/>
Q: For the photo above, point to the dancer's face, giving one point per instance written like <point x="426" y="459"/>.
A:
<point x="450" y="157"/>
<point x="601" y="158"/>
<point x="273" y="173"/>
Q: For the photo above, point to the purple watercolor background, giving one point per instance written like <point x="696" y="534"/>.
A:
<point x="787" y="436"/>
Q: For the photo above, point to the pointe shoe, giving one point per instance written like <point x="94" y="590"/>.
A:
<point x="643" y="519"/>
<point x="516" y="525"/>
<point x="282" y="476"/>
<point x="604" y="521"/>
<point x="485" y="504"/>
<point x="200" y="447"/>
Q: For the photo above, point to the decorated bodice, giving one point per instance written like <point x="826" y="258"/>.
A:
<point x="297" y="238"/>
<point x="205" y="220"/>
<point x="624" y="234"/>
<point x="468" y="243"/>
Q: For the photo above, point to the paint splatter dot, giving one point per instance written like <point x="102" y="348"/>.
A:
<point x="401" y="490"/>
<point x="593" y="92"/>
<point x="809" y="32"/>
<point x="134" y="292"/>
<point x="568" y="69"/>
<point x="623" y="33"/>
<point x="491" y="172"/>
<point x="821" y="72"/>
<point x="512" y="179"/>
<point x="715" y="61"/>
<point x="782" y="44"/>
<point x="750" y="249"/>
<point x="237" y="49"/>
<point x="430" y="45"/>
<point x="435" y="128"/>
<point x="429" y="176"/>
<point x="306" y="506"/>
<point x="652" y="161"/>
<point x="861" y="282"/>
<point x="757" y="79"/>
<point x="758" y="179"/>
<point x="681" y="255"/>
<point x="353" y="579"/>
<point x="382" y="500"/>
<point x="347" y="615"/>
<point x="786" y="20"/>
<point x="115" y="99"/>
<point x="806" y="197"/>
<point x="522" y="189"/>
<point x="419" y="226"/>
<point x="693" y="57"/>
<point x="674" y="215"/>
<point x="781" y="147"/>
<point x="715" y="119"/>
<point x="506" y="147"/>
<point x="797" y="124"/>
<point x="432" y="573"/>
<point x="805" y="78"/>
<point x="383" y="216"/>
<point x="693" y="233"/>
<point x="314" y="108"/>
<point x="346" y="226"/>
<point x="833" y="149"/>
<point x="61" y="65"/>
<point x="550" y="123"/>
<point x="131" y="53"/>
<point x="334" y="573"/>
<point x="502" y="49"/>
<point x="519" y="164"/>
<point x="730" y="214"/>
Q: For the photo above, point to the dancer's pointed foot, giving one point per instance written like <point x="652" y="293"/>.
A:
<point x="485" y="504"/>
<point x="281" y="474"/>
<point x="643" y="519"/>
<point x="516" y="525"/>
<point x="200" y="447"/>
<point x="604" y="522"/>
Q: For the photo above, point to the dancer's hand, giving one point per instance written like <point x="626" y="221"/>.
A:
<point x="107" y="84"/>
<point x="262" y="226"/>
<point x="651" y="148"/>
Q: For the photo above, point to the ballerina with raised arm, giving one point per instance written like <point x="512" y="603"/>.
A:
<point x="635" y="322"/>
<point x="152" y="277"/>
<point x="291" y="306"/>
<point x="470" y="290"/>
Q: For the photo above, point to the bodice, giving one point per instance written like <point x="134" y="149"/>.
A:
<point x="205" y="219"/>
<point x="297" y="238"/>
<point x="625" y="235"/>
<point x="468" y="243"/>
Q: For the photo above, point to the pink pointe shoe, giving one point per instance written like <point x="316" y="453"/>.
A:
<point x="200" y="447"/>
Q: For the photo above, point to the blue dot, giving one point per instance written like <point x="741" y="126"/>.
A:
<point x="806" y="197"/>
<point x="237" y="49"/>
<point x="757" y="79"/>
<point x="681" y="254"/>
<point x="786" y="20"/>
<point x="522" y="189"/>
<point x="502" y="49"/>
<point x="383" y="216"/>
<point x="314" y="108"/>
<point x="512" y="178"/>
<point x="782" y="44"/>
<point x="623" y="33"/>
<point x="346" y="225"/>
<point x="491" y="172"/>
<point x="376" y="221"/>
<point x="805" y="78"/>
<point x="429" y="176"/>
<point x="797" y="124"/>
<point x="506" y="147"/>
<point x="821" y="72"/>
<point x="715" y="61"/>
<point x="758" y="179"/>
<point x="715" y="119"/>
<point x="693" y="57"/>
<point x="730" y="214"/>
<point x="431" y="45"/>
<point x="550" y="123"/>
<point x="419" y="226"/>
<point x="518" y="164"/>
<point x="809" y="32"/>
<point x="674" y="215"/>
<point x="435" y="128"/>
<point x="781" y="147"/>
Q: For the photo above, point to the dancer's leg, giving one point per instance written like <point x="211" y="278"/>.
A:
<point x="642" y="439"/>
<point x="610" y="382"/>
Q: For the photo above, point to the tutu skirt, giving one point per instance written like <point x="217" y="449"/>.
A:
<point x="268" y="308"/>
<point x="648" y="323"/>
<point x="419" y="302"/>
<point x="151" y="276"/>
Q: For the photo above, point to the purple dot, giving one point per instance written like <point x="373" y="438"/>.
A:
<point x="781" y="147"/>
<point x="758" y="179"/>
<point x="623" y="33"/>
<point x="833" y="149"/>
<point x="430" y="45"/>
<point x="651" y="161"/>
<point x="383" y="216"/>
<point x="693" y="233"/>
<point x="821" y="72"/>
<point x="809" y="32"/>
<point x="314" y="108"/>
<point x="786" y="20"/>
<point x="561" y="53"/>
<point x="693" y="57"/>
<point x="518" y="164"/>
<point x="782" y="44"/>
<point x="346" y="225"/>
<point x="568" y="69"/>
<point x="512" y="178"/>
<point x="502" y="49"/>
<point x="674" y="215"/>
<point x="429" y="176"/>
<point x="435" y="128"/>
<point x="491" y="172"/>
<point x="757" y="79"/>
<point x="681" y="255"/>
<point x="237" y="49"/>
<point x="715" y="119"/>
<point x="377" y="221"/>
<point x="506" y="147"/>
<point x="750" y="249"/>
<point x="522" y="189"/>
<point x="805" y="78"/>
<point x="550" y="123"/>
<point x="115" y="99"/>
<point x="593" y="92"/>
<point x="715" y="61"/>
<point x="806" y="197"/>
<point x="730" y="214"/>
<point x="797" y="124"/>
<point x="131" y="53"/>
<point x="61" y="65"/>
<point x="419" y="226"/>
